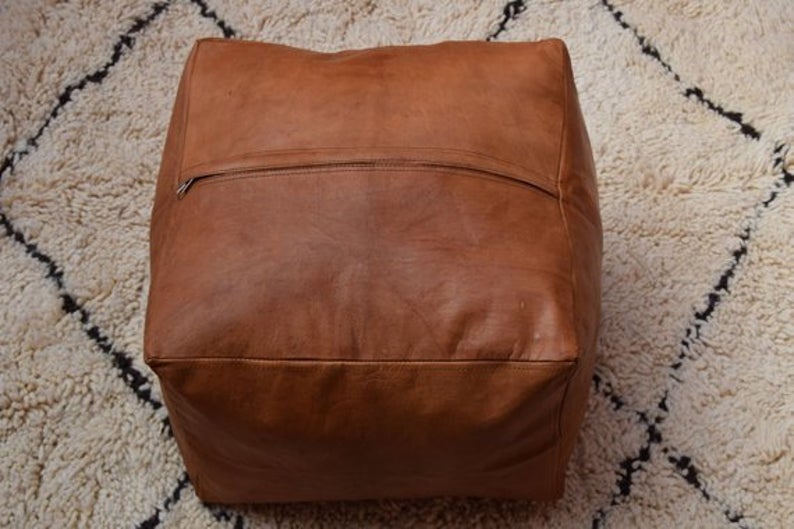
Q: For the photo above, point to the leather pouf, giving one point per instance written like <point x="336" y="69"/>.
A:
<point x="375" y="273"/>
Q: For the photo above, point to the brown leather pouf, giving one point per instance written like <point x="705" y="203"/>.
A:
<point x="375" y="273"/>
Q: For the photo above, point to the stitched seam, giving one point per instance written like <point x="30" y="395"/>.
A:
<point x="451" y="365"/>
<point x="224" y="40"/>
<point x="181" y="438"/>
<point x="560" y="194"/>
<point x="170" y="229"/>
<point x="255" y="154"/>
<point x="559" y="467"/>
<point x="188" y="92"/>
<point x="566" y="71"/>
<point x="220" y="179"/>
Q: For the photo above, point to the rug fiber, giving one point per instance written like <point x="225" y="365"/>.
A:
<point x="690" y="109"/>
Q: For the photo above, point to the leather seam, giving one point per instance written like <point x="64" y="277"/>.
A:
<point x="397" y="168"/>
<point x="179" y="436"/>
<point x="273" y="152"/>
<point x="184" y="86"/>
<point x="559" y="467"/>
<point x="449" y="365"/>
<point x="560" y="198"/>
<point x="264" y="152"/>
<point x="186" y="117"/>
<point x="561" y="195"/>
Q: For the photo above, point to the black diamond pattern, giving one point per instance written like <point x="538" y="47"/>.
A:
<point x="140" y="384"/>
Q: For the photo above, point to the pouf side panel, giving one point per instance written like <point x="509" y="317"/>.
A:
<point x="311" y="431"/>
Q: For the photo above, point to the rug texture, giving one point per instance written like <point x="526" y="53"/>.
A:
<point x="690" y="109"/>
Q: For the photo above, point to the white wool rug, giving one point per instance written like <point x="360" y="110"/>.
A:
<point x="690" y="108"/>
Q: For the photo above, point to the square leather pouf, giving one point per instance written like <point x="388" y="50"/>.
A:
<point x="375" y="273"/>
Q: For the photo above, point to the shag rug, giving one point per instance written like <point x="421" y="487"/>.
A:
<point x="690" y="108"/>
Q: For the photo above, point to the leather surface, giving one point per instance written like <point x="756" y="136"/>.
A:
<point x="297" y="431"/>
<point x="384" y="278"/>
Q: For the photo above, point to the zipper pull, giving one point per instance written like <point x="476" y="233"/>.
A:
<point x="183" y="187"/>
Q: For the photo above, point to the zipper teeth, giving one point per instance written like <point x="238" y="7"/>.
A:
<point x="185" y="185"/>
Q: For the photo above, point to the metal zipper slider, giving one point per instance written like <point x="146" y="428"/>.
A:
<point x="183" y="187"/>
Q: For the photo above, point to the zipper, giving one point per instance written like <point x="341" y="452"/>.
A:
<point x="186" y="185"/>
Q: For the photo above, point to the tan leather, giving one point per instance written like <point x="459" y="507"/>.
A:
<point x="381" y="275"/>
